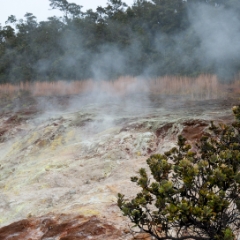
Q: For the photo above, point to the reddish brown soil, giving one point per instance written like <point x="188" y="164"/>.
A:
<point x="162" y="132"/>
<point x="14" y="120"/>
<point x="194" y="129"/>
<point x="62" y="227"/>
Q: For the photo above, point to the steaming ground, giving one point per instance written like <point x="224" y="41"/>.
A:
<point x="73" y="154"/>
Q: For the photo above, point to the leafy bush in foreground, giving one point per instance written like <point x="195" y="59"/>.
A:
<point x="192" y="194"/>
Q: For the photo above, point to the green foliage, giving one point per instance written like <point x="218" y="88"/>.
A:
<point x="153" y="37"/>
<point x="67" y="8"/>
<point x="191" y="194"/>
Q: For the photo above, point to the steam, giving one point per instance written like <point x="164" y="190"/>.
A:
<point x="210" y="44"/>
<point x="218" y="31"/>
<point x="103" y="106"/>
<point x="92" y="108"/>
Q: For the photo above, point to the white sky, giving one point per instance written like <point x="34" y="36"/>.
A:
<point x="41" y="8"/>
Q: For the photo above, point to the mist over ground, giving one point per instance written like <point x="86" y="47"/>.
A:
<point x="148" y="39"/>
<point x="87" y="97"/>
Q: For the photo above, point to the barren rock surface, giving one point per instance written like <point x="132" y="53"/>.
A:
<point x="73" y="155"/>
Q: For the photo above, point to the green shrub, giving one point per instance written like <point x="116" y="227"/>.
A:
<point x="191" y="194"/>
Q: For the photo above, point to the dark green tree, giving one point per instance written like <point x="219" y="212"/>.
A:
<point x="155" y="38"/>
<point x="191" y="194"/>
<point x="11" y="19"/>
<point x="69" y="9"/>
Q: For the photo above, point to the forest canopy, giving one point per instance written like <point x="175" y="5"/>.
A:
<point x="149" y="38"/>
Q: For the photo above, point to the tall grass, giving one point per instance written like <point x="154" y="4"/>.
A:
<point x="202" y="87"/>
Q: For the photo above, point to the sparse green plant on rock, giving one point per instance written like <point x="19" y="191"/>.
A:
<point x="191" y="194"/>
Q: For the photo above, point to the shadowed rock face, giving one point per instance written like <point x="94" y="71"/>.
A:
<point x="72" y="159"/>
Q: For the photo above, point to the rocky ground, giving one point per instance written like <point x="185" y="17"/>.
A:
<point x="64" y="159"/>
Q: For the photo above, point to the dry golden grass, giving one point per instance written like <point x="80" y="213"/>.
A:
<point x="202" y="87"/>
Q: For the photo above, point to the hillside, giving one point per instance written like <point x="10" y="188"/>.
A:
<point x="64" y="158"/>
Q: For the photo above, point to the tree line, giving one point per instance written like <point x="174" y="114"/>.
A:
<point x="149" y="38"/>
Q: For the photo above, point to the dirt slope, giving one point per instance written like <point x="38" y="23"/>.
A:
<point x="63" y="160"/>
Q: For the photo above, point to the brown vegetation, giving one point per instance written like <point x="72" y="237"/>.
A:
<point x="202" y="87"/>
